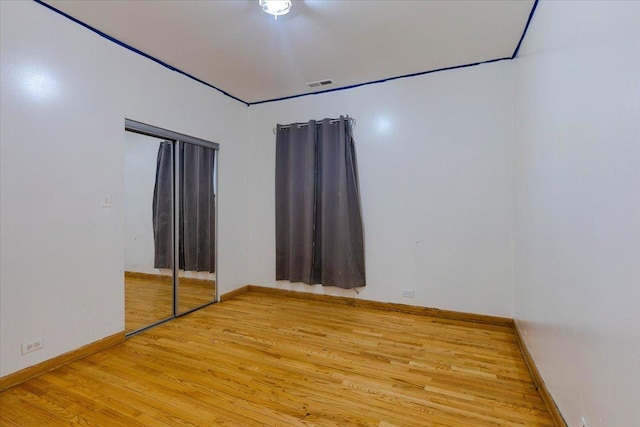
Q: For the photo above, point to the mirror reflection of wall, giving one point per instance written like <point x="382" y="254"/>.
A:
<point x="148" y="290"/>
<point x="170" y="219"/>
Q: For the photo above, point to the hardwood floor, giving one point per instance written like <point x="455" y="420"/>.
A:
<point x="149" y="299"/>
<point x="272" y="360"/>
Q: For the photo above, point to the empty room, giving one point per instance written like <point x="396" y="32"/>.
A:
<point x="320" y="213"/>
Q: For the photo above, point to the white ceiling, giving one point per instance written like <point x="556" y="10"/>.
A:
<point x="239" y="49"/>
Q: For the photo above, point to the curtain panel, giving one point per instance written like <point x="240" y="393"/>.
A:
<point x="319" y="231"/>
<point x="196" y="208"/>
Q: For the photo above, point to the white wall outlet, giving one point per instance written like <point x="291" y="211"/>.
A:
<point x="28" y="347"/>
<point x="106" y="201"/>
<point x="407" y="293"/>
<point x="583" y="422"/>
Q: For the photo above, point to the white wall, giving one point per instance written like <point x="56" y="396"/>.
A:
<point x="577" y="227"/>
<point x="65" y="95"/>
<point x="434" y="158"/>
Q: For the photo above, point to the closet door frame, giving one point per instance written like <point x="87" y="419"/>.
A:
<point x="178" y="138"/>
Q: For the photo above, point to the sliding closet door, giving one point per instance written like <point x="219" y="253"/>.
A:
<point x="196" y="224"/>
<point x="149" y="248"/>
<point x="171" y="205"/>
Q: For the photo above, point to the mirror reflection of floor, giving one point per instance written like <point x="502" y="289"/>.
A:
<point x="148" y="300"/>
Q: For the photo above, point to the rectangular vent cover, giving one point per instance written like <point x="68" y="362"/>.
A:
<point x="319" y="83"/>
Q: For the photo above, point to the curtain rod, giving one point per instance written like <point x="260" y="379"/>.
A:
<point x="299" y="125"/>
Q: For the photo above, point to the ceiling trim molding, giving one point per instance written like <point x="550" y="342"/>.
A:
<point x="139" y="52"/>
<point x="404" y="76"/>
<point x="248" y="104"/>
<point x="526" y="27"/>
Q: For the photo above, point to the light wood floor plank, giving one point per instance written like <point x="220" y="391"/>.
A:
<point x="271" y="360"/>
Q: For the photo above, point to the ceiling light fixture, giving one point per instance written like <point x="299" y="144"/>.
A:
<point x="275" y="7"/>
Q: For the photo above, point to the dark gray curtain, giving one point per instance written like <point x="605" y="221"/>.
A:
<point x="319" y="233"/>
<point x="196" y="208"/>
<point x="163" y="207"/>
<point x="295" y="203"/>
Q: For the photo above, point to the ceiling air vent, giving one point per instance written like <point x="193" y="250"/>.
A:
<point x="319" y="83"/>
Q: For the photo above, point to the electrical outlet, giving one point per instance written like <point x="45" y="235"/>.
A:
<point x="28" y="347"/>
<point x="583" y="422"/>
<point x="106" y="201"/>
<point x="407" y="293"/>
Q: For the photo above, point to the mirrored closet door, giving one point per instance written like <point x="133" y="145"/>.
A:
<point x="170" y="225"/>
<point x="197" y="223"/>
<point x="148" y="262"/>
